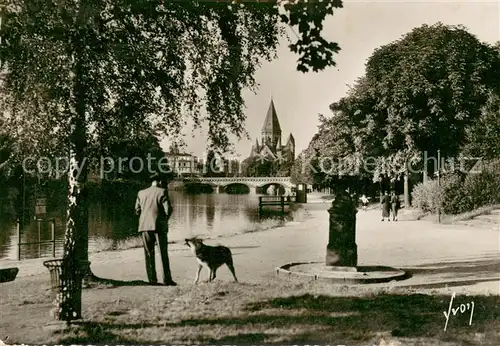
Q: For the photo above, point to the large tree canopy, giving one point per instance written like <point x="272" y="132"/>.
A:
<point x="429" y="86"/>
<point x="146" y="61"/>
<point x="88" y="69"/>
<point x="483" y="135"/>
<point x="431" y="90"/>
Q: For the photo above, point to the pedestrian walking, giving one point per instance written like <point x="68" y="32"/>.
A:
<point x="155" y="208"/>
<point x="385" y="201"/>
<point x="364" y="202"/>
<point x="395" y="206"/>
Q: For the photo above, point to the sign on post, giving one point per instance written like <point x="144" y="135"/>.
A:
<point x="40" y="207"/>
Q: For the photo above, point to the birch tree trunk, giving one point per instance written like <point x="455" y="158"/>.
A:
<point x="75" y="263"/>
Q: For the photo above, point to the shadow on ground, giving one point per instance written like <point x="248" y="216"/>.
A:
<point x="462" y="273"/>
<point x="312" y="318"/>
<point x="98" y="282"/>
<point x="91" y="332"/>
<point x="463" y="267"/>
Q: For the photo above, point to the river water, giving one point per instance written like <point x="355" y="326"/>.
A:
<point x="113" y="223"/>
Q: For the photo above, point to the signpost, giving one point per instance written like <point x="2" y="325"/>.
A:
<point x="40" y="217"/>
<point x="40" y="208"/>
<point x="40" y="212"/>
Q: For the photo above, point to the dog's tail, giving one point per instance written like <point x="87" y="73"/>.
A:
<point x="230" y="265"/>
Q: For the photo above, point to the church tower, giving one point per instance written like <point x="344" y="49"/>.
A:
<point x="271" y="130"/>
<point x="270" y="146"/>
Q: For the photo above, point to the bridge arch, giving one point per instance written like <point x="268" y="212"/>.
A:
<point x="272" y="188"/>
<point x="197" y="187"/>
<point x="254" y="183"/>
<point x="236" y="188"/>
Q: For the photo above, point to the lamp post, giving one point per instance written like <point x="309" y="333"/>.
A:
<point x="439" y="185"/>
<point x="23" y="211"/>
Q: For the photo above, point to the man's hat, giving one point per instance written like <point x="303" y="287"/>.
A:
<point x="157" y="176"/>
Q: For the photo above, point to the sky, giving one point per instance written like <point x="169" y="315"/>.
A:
<point x="359" y="28"/>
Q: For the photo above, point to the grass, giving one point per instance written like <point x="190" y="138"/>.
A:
<point x="272" y="312"/>
<point x="417" y="214"/>
<point x="102" y="244"/>
<point x="450" y="219"/>
<point x="486" y="210"/>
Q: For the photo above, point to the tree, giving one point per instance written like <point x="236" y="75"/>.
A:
<point x="284" y="169"/>
<point x="331" y="154"/>
<point x="483" y="134"/>
<point x="83" y="65"/>
<point x="212" y="165"/>
<point x="258" y="166"/>
<point x="5" y="152"/>
<point x="429" y="86"/>
<point x="30" y="137"/>
<point x="131" y="158"/>
<point x="305" y="168"/>
<point x="301" y="172"/>
<point x="419" y="94"/>
<point x="232" y="167"/>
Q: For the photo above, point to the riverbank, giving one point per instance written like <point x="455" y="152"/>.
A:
<point x="265" y="308"/>
<point x="113" y="223"/>
<point x="297" y="214"/>
<point x="106" y="249"/>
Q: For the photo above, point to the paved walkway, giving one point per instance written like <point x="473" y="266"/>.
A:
<point x="437" y="255"/>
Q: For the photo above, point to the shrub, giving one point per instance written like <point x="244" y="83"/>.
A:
<point x="454" y="197"/>
<point x="460" y="193"/>
<point x="482" y="189"/>
<point x="426" y="197"/>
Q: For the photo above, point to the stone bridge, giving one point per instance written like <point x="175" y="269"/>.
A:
<point x="256" y="184"/>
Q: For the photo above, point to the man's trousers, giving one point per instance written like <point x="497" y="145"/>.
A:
<point x="149" y="240"/>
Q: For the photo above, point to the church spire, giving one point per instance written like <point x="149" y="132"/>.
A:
<point x="271" y="124"/>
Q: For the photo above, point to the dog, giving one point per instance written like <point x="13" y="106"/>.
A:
<point x="211" y="257"/>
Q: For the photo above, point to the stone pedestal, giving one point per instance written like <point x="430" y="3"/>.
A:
<point x="342" y="250"/>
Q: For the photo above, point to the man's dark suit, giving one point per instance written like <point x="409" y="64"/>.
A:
<point x="154" y="207"/>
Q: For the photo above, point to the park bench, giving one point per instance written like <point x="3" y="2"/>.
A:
<point x="281" y="201"/>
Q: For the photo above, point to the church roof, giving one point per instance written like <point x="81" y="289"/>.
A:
<point x="291" y="139"/>
<point x="271" y="124"/>
<point x="266" y="151"/>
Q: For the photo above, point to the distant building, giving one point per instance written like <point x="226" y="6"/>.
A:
<point x="183" y="164"/>
<point x="270" y="144"/>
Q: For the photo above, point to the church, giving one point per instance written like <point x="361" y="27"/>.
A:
<point x="271" y="145"/>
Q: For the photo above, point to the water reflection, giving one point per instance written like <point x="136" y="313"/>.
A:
<point x="210" y="213"/>
<point x="112" y="216"/>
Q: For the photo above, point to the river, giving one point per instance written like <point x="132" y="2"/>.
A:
<point x="113" y="223"/>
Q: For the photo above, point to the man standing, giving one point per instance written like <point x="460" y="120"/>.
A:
<point x="154" y="207"/>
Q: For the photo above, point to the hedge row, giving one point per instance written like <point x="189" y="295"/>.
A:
<point x="458" y="192"/>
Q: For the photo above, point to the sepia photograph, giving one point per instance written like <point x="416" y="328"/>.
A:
<point x="250" y="172"/>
